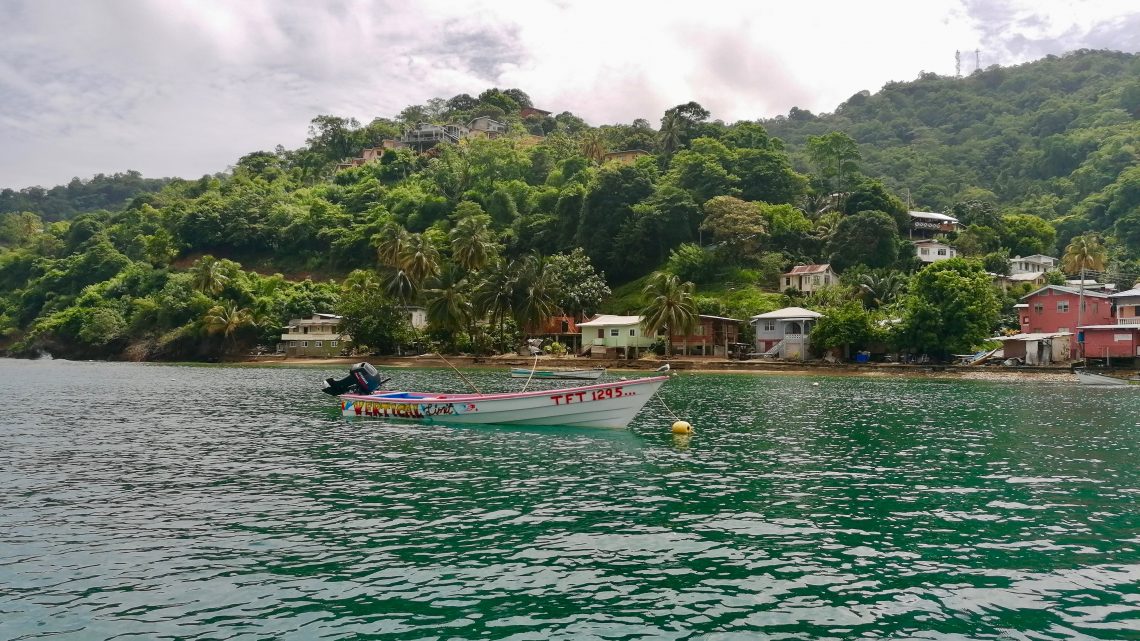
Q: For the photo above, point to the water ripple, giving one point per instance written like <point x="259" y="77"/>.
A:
<point x="155" y="502"/>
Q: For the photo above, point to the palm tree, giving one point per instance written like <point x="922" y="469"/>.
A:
<point x="209" y="275"/>
<point x="390" y="243"/>
<point x="495" y="294"/>
<point x="227" y="320"/>
<point x="448" y="305"/>
<point x="419" y="259"/>
<point x="534" y="291"/>
<point x="879" y="291"/>
<point x="671" y="307"/>
<point x="592" y="145"/>
<point x="1083" y="253"/>
<point x="471" y="244"/>
<point x="672" y="128"/>
<point x="401" y="286"/>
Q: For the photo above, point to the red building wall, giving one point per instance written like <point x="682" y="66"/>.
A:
<point x="1116" y="342"/>
<point x="1054" y="310"/>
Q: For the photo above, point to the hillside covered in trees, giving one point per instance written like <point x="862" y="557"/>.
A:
<point x="490" y="234"/>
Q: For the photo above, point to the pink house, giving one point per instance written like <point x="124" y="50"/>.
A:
<point x="1113" y="340"/>
<point x="1053" y="308"/>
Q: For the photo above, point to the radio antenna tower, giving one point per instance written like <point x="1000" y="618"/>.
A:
<point x="957" y="63"/>
<point x="977" y="59"/>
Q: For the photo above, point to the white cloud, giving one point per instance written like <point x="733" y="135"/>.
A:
<point x="185" y="87"/>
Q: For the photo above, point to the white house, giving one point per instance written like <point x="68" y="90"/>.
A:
<point x="925" y="224"/>
<point x="1035" y="264"/>
<point x="784" y="332"/>
<point x="932" y="251"/>
<point x="610" y="336"/>
<point x="808" y="278"/>
<point x="318" y="335"/>
<point x="417" y="316"/>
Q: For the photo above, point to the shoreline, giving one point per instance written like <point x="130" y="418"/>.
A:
<point x="709" y="366"/>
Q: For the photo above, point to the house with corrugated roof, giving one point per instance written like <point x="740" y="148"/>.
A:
<point x="612" y="336"/>
<point x="808" y="278"/>
<point x="785" y="332"/>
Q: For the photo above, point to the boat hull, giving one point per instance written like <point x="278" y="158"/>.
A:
<point x="567" y="374"/>
<point x="611" y="405"/>
<point x="1091" y="378"/>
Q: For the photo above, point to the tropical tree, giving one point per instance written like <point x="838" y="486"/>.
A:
<point x="390" y="244"/>
<point x="671" y="307"/>
<point x="419" y="259"/>
<point x="951" y="308"/>
<point x="1084" y="253"/>
<point x="227" y="320"/>
<point x="494" y="295"/>
<point x="881" y="290"/>
<point x="592" y="145"/>
<point x="472" y="246"/>
<point x="534" y="292"/>
<point x="449" y="304"/>
<point x="671" y="135"/>
<point x="209" y="275"/>
<point x="834" y="155"/>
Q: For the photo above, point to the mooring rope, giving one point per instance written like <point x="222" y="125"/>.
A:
<point x="532" y="368"/>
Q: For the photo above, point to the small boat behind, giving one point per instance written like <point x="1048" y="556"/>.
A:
<point x="612" y="404"/>
<point x="567" y="374"/>
<point x="1085" y="377"/>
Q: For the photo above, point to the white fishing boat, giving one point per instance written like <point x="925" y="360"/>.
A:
<point x="1085" y="377"/>
<point x="612" y="404"/>
<point x="568" y="374"/>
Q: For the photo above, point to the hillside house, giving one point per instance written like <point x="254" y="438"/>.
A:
<point x="626" y="157"/>
<point x="1053" y="309"/>
<point x="1005" y="282"/>
<point x="927" y="224"/>
<point x="1127" y="304"/>
<point x="713" y="336"/>
<point x="318" y="336"/>
<point x="932" y="251"/>
<point x="416" y="317"/>
<point x="562" y="328"/>
<point x="1035" y="264"/>
<point x="533" y="111"/>
<point x="784" y="333"/>
<point x="425" y="135"/>
<point x="610" y="336"/>
<point x="486" y="127"/>
<point x="808" y="278"/>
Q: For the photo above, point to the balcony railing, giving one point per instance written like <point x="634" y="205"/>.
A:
<point x="1128" y="321"/>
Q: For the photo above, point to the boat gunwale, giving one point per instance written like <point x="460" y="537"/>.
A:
<point x="500" y="396"/>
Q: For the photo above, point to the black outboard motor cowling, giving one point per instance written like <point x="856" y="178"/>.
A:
<point x="362" y="378"/>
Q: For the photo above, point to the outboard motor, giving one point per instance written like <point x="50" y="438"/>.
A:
<point x="362" y="378"/>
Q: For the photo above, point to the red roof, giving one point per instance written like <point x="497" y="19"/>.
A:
<point x="808" y="269"/>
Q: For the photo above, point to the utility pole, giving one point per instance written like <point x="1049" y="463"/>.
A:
<point x="977" y="59"/>
<point x="957" y="63"/>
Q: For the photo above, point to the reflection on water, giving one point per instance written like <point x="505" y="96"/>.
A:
<point x="214" y="502"/>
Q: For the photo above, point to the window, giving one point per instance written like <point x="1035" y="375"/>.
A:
<point x="826" y="279"/>
<point x="1039" y="308"/>
<point x="815" y="280"/>
<point x="304" y="343"/>
<point x="319" y="344"/>
<point x="332" y="343"/>
<point x="633" y="332"/>
<point x="292" y="343"/>
<point x="770" y="326"/>
<point x="925" y="251"/>
<point x="787" y="282"/>
<point x="1096" y="308"/>
<point x="305" y="329"/>
<point x="565" y="327"/>
<point x="614" y="332"/>
<point x="941" y="252"/>
<point x="1062" y="306"/>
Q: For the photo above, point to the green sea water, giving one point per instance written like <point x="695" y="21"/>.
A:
<point x="176" y="502"/>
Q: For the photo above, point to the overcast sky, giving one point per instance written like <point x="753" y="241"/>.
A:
<point x="185" y="87"/>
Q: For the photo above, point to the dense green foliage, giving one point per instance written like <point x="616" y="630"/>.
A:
<point x="491" y="235"/>
<point x="79" y="196"/>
